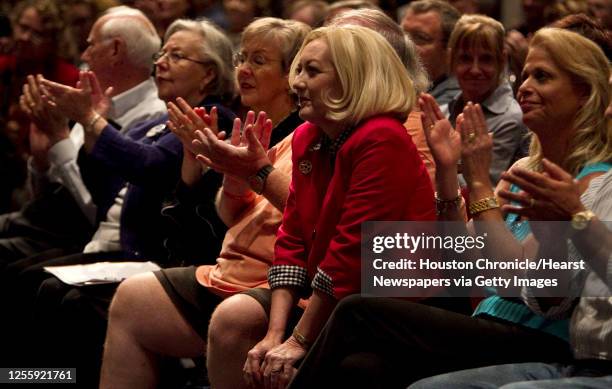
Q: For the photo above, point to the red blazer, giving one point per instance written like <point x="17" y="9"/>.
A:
<point x="377" y="175"/>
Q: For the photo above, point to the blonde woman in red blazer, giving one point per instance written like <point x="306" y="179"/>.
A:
<point x="352" y="162"/>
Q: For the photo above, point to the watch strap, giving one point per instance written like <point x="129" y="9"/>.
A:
<point x="261" y="176"/>
<point x="482" y="205"/>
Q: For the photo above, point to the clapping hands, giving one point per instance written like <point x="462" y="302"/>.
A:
<point x="50" y="123"/>
<point x="444" y="142"/>
<point x="476" y="147"/>
<point x="238" y="159"/>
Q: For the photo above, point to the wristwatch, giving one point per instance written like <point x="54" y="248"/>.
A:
<point x="581" y="220"/>
<point x="482" y="205"/>
<point x="257" y="181"/>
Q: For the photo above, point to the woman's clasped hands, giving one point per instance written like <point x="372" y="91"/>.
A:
<point x="271" y="364"/>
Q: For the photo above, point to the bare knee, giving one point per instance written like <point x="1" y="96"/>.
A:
<point x="130" y="298"/>
<point x="143" y="314"/>
<point x="238" y="318"/>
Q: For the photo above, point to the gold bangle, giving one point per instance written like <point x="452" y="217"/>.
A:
<point x="301" y="339"/>
<point x="92" y="122"/>
<point x="482" y="205"/>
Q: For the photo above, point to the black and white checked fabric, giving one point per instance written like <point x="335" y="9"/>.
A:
<point x="284" y="275"/>
<point x="323" y="282"/>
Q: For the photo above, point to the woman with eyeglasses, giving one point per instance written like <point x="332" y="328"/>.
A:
<point x="195" y="65"/>
<point x="130" y="174"/>
<point x="166" y="313"/>
<point x="352" y="162"/>
<point x="262" y="70"/>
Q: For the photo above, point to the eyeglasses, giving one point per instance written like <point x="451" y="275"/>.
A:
<point x="421" y="39"/>
<point x="175" y="57"/>
<point x="256" y="60"/>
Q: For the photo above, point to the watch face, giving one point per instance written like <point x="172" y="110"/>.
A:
<point x="581" y="220"/>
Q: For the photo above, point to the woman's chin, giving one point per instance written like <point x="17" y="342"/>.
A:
<point x="305" y="113"/>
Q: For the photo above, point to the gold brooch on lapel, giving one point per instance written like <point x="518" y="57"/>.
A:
<point x="305" y="166"/>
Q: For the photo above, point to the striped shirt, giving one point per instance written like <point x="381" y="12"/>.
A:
<point x="591" y="320"/>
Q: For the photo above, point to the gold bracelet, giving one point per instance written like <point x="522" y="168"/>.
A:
<point x="301" y="339"/>
<point x="482" y="205"/>
<point x="443" y="206"/>
<point x="92" y="122"/>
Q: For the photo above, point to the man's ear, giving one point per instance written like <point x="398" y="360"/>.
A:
<point x="118" y="48"/>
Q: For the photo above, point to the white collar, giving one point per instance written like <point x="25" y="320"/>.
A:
<point x="123" y="102"/>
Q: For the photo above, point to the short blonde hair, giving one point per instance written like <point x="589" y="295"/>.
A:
<point x="588" y="67"/>
<point x="478" y="31"/>
<point x="372" y="83"/>
<point x="289" y="33"/>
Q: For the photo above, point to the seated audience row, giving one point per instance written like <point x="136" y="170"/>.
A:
<point x="183" y="299"/>
<point x="428" y="340"/>
<point x="125" y="174"/>
<point x="247" y="177"/>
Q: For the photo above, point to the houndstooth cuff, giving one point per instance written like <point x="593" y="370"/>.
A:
<point x="287" y="275"/>
<point x="323" y="282"/>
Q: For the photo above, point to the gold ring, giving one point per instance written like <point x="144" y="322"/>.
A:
<point x="471" y="137"/>
<point x="531" y="202"/>
<point x="431" y="127"/>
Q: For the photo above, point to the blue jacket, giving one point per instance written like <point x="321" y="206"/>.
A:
<point x="148" y="160"/>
